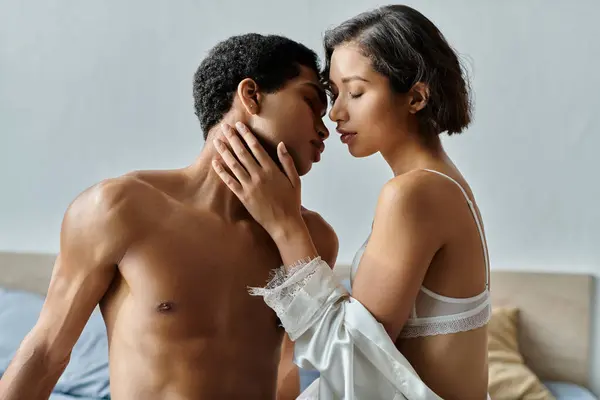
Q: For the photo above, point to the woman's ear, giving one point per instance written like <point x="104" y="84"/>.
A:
<point x="249" y="95"/>
<point x="418" y="96"/>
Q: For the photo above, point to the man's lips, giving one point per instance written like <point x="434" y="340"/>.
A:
<point x="319" y="145"/>
<point x="319" y="148"/>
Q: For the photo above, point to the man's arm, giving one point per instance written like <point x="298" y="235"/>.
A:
<point x="326" y="242"/>
<point x="93" y="239"/>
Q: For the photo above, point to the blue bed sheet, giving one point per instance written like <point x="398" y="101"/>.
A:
<point x="60" y="396"/>
<point x="87" y="375"/>
<point x="569" y="391"/>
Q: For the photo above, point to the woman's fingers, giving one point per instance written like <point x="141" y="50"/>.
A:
<point x="229" y="180"/>
<point x="255" y="147"/>
<point x="288" y="165"/>
<point x="238" y="170"/>
<point x="241" y="152"/>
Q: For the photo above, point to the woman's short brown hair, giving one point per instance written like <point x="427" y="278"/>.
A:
<point x="407" y="48"/>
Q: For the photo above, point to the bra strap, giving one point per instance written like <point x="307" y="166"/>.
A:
<point x="477" y="221"/>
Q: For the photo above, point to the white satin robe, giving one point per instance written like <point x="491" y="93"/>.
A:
<point x="336" y="335"/>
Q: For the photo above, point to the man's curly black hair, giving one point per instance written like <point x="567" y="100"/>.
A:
<point x="270" y="60"/>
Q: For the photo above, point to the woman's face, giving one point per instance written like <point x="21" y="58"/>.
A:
<point x="369" y="115"/>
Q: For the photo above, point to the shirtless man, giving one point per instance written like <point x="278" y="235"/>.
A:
<point x="169" y="255"/>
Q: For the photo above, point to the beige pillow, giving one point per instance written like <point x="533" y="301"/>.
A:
<point x="509" y="377"/>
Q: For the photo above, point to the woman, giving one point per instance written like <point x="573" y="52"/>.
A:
<point x="396" y="85"/>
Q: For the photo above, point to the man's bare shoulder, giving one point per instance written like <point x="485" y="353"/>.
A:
<point x="323" y="235"/>
<point x="170" y="182"/>
<point x="121" y="199"/>
<point x="111" y="192"/>
<point x="101" y="223"/>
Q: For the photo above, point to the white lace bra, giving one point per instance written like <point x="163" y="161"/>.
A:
<point x="434" y="314"/>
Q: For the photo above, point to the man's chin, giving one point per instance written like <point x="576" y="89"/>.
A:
<point x="304" y="169"/>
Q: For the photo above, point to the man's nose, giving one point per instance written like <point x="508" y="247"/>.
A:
<point x="323" y="131"/>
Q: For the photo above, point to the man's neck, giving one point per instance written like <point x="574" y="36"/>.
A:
<point x="205" y="189"/>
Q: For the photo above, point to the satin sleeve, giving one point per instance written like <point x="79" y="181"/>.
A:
<point x="337" y="336"/>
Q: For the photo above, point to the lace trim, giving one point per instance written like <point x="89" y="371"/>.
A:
<point x="447" y="327"/>
<point x="285" y="282"/>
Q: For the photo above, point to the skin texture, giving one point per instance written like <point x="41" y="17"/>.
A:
<point x="423" y="232"/>
<point x="168" y="256"/>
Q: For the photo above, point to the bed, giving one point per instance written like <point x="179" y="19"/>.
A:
<point x="24" y="279"/>
<point x="554" y="325"/>
<point x="554" y="328"/>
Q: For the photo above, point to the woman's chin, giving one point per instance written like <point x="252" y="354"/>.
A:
<point x="359" y="152"/>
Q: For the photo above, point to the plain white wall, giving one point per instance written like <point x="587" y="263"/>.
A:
<point x="90" y="90"/>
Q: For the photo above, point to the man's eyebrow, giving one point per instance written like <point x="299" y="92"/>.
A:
<point x="353" y="78"/>
<point x="320" y="92"/>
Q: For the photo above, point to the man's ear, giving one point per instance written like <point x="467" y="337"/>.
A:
<point x="249" y="95"/>
<point x="418" y="97"/>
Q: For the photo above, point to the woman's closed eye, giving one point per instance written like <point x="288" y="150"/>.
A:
<point x="352" y="95"/>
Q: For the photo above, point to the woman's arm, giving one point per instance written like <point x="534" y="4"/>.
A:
<point x="289" y="380"/>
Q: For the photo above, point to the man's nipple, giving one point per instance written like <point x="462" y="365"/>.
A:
<point x="165" y="306"/>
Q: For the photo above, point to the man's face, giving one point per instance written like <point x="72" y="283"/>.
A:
<point x="294" y="115"/>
